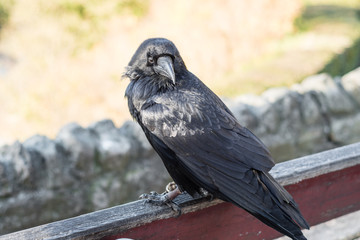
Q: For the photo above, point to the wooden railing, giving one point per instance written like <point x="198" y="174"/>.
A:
<point x="325" y="185"/>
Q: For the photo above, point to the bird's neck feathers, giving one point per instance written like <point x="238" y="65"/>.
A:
<point x="144" y="86"/>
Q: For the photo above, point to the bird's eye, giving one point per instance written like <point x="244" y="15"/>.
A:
<point x="151" y="60"/>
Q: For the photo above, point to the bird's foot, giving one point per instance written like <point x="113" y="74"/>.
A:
<point x="205" y="193"/>
<point x="164" y="198"/>
<point x="171" y="186"/>
<point x="155" y="198"/>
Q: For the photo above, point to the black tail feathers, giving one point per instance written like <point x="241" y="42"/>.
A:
<point x="289" y="220"/>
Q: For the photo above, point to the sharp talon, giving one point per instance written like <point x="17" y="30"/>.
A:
<point x="143" y="196"/>
<point x="176" y="208"/>
<point x="211" y="197"/>
<point x="172" y="191"/>
<point x="205" y="193"/>
<point x="155" y="198"/>
<point x="164" y="198"/>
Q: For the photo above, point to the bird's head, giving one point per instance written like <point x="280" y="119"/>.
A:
<point x="156" y="56"/>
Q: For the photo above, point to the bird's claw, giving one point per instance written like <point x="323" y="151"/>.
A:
<point x="176" y="208"/>
<point x="205" y="193"/>
<point x="161" y="199"/>
<point x="155" y="198"/>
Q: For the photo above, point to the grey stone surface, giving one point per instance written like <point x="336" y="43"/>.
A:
<point x="82" y="170"/>
<point x="82" y="146"/>
<point x="88" y="168"/>
<point x="57" y="162"/>
<point x="351" y="83"/>
<point x="330" y="93"/>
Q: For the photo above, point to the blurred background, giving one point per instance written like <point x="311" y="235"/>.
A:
<point x="62" y="60"/>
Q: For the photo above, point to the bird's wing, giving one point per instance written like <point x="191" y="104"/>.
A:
<point x="222" y="156"/>
<point x="200" y="127"/>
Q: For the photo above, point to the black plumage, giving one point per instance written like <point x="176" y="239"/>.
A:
<point x="199" y="140"/>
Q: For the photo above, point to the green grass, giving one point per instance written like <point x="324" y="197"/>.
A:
<point x="325" y="39"/>
<point x="86" y="21"/>
<point x="315" y="14"/>
<point x="137" y="8"/>
<point x="5" y="8"/>
<point x="340" y="17"/>
<point x="342" y="63"/>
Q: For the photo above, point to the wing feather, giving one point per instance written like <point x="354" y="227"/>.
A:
<point x="220" y="155"/>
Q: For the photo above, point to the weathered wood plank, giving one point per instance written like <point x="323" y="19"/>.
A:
<point x="316" y="164"/>
<point x="321" y="198"/>
<point x="325" y="185"/>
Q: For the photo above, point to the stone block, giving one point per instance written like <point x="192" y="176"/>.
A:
<point x="351" y="83"/>
<point x="82" y="144"/>
<point x="330" y="93"/>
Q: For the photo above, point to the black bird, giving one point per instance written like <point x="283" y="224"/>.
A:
<point x="202" y="145"/>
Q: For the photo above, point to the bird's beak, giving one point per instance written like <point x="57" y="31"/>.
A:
<point x="165" y="67"/>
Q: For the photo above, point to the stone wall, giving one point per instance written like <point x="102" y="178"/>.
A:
<point x="85" y="169"/>
<point x="320" y="113"/>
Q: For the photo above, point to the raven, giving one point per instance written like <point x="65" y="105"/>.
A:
<point x="202" y="145"/>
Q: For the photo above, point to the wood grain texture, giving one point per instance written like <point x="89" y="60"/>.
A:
<point x="320" y="199"/>
<point x="325" y="185"/>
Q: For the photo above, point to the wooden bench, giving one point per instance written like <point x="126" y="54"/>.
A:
<point x="325" y="185"/>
